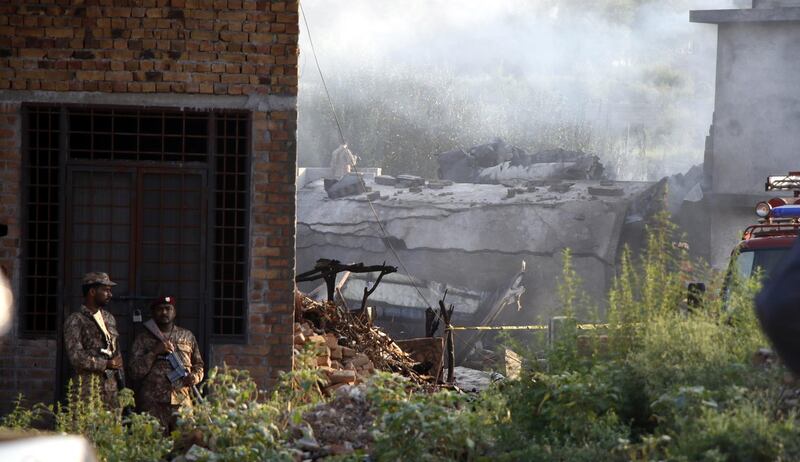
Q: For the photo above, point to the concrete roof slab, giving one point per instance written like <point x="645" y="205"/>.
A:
<point x="790" y="14"/>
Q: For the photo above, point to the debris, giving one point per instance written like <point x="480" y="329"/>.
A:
<point x="428" y="352"/>
<point x="560" y="188"/>
<point x="512" y="364"/>
<point x="339" y="426"/>
<point x="344" y="341"/>
<point x="327" y="270"/>
<point x="385" y="180"/>
<point x="497" y="162"/>
<point x="409" y="181"/>
<point x="374" y="195"/>
<point x="351" y="184"/>
<point x="606" y="191"/>
<point x="439" y="184"/>
<point x="458" y="166"/>
<point x="474" y="380"/>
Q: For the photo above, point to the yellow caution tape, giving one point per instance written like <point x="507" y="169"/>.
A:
<point x="529" y="327"/>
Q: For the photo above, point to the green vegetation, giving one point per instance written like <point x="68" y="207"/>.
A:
<point x="661" y="382"/>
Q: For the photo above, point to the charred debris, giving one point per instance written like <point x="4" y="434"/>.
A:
<point x="468" y="232"/>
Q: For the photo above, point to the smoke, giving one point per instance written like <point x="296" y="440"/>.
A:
<point x="629" y="80"/>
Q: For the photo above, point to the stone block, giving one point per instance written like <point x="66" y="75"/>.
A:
<point x="409" y="181"/>
<point x="595" y="191"/>
<point x="385" y="180"/>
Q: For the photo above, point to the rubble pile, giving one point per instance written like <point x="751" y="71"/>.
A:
<point x="339" y="426"/>
<point x="347" y="348"/>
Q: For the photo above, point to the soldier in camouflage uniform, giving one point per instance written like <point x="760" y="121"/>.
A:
<point x="157" y="395"/>
<point x="90" y="339"/>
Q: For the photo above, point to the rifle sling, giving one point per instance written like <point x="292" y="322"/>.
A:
<point x="151" y="326"/>
<point x="103" y="330"/>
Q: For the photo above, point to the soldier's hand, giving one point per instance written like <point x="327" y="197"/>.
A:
<point x="114" y="363"/>
<point x="188" y="381"/>
<point x="163" y="348"/>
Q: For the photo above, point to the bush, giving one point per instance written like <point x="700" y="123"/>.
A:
<point x="669" y="382"/>
<point x="743" y="433"/>
<point x="21" y="417"/>
<point x="437" y="427"/>
<point x="135" y="437"/>
<point x="233" y="424"/>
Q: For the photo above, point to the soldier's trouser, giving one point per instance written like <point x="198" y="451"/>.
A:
<point x="165" y="413"/>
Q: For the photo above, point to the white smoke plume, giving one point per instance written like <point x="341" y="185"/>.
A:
<point x="629" y="80"/>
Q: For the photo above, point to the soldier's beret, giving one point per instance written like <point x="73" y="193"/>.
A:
<point x="164" y="300"/>
<point x="96" y="277"/>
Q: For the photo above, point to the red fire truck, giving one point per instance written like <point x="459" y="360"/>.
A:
<point x="763" y="245"/>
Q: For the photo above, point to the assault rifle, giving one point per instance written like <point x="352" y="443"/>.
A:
<point x="118" y="374"/>
<point x="179" y="371"/>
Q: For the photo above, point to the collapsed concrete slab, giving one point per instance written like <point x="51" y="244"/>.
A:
<point x="475" y="235"/>
<point x="498" y="162"/>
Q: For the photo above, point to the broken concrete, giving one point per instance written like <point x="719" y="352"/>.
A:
<point x="498" y="162"/>
<point x="475" y="235"/>
<point x="386" y="180"/>
<point x="350" y="184"/>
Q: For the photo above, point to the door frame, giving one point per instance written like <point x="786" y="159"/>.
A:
<point x="137" y="170"/>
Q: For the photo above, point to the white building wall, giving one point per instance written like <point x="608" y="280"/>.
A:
<point x="757" y="110"/>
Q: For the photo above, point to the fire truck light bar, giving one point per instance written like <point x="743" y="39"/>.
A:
<point x="790" y="182"/>
<point x="786" y="211"/>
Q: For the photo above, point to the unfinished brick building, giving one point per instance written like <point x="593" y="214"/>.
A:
<point x="154" y="140"/>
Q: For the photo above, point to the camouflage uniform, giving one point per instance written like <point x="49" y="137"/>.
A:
<point x="156" y="394"/>
<point x="83" y="341"/>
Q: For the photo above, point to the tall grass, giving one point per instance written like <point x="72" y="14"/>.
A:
<point x="664" y="381"/>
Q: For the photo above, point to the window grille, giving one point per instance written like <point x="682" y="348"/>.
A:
<point x="142" y="135"/>
<point x="42" y="227"/>
<point x="230" y="227"/>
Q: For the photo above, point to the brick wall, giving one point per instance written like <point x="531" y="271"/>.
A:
<point x="222" y="47"/>
<point x="272" y="238"/>
<point x="193" y="48"/>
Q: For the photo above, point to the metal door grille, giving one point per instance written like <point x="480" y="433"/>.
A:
<point x="138" y="135"/>
<point x="230" y="227"/>
<point x="173" y="224"/>
<point x="42" y="228"/>
<point x="99" y="233"/>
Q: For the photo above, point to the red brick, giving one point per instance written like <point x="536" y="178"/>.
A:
<point x="230" y="36"/>
<point x="60" y="32"/>
<point x="89" y="75"/>
<point x="235" y="78"/>
<point x="119" y="75"/>
<point x="176" y="76"/>
<point x="204" y="35"/>
<point x="230" y="15"/>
